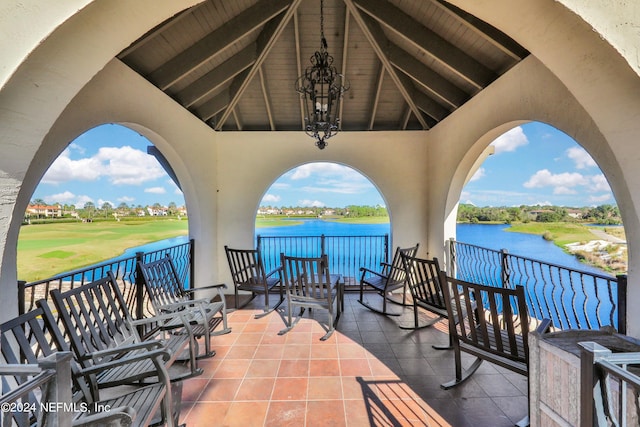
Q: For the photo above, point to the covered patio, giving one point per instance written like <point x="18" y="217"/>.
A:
<point x="369" y="372"/>
<point x="416" y="122"/>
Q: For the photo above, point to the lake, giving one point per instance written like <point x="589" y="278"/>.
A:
<point x="491" y="236"/>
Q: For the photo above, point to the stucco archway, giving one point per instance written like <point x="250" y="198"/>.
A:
<point x="59" y="73"/>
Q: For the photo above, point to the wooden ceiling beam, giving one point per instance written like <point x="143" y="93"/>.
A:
<point x="376" y="97"/>
<point x="213" y="106"/>
<point x="214" y="43"/>
<point x="265" y="95"/>
<point x="267" y="39"/>
<point x="494" y="36"/>
<point x="376" y="37"/>
<point x="296" y="34"/>
<point x="345" y="56"/>
<point x="428" y="41"/>
<point x="217" y="77"/>
<point x="426" y="77"/>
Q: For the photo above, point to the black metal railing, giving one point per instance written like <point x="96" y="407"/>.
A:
<point x="608" y="389"/>
<point x="572" y="299"/>
<point x="123" y="268"/>
<point x="346" y="253"/>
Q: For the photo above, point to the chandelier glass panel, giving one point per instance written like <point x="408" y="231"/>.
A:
<point x="321" y="87"/>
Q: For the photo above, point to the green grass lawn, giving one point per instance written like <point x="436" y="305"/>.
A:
<point x="47" y="249"/>
<point x="364" y="220"/>
<point x="560" y="232"/>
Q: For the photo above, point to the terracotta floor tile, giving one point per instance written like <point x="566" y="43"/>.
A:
<point x="325" y="388"/>
<point x="286" y="414"/>
<point x="269" y="351"/>
<point x="294" y="368"/>
<point x="324" y="351"/>
<point x="223" y="389"/>
<point x="232" y="368"/>
<point x="290" y="389"/>
<point x="249" y="338"/>
<point x="203" y="412"/>
<point x="263" y="368"/>
<point x="192" y="388"/>
<point x="324" y="413"/>
<point x="351" y="351"/>
<point x="324" y="368"/>
<point x="298" y="337"/>
<point x="245" y="414"/>
<point x="255" y="389"/>
<point x="355" y="367"/>
<point x="241" y="352"/>
<point x="296" y="351"/>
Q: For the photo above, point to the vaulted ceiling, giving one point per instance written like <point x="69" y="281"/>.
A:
<point x="410" y="63"/>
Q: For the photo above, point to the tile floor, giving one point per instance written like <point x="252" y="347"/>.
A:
<point x="369" y="372"/>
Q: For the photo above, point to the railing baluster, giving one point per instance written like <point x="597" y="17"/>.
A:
<point x="553" y="290"/>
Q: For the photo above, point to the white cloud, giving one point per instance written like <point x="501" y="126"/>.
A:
<point x="581" y="158"/>
<point x="311" y="203"/>
<point x="599" y="183"/>
<point x="82" y="200"/>
<point x="120" y="165"/>
<point x="270" y="198"/>
<point x="126" y="199"/>
<point x="510" y="141"/>
<point x="600" y="199"/>
<point x="561" y="190"/>
<point x="63" y="198"/>
<point x="64" y="169"/>
<point x="155" y="190"/>
<point x="480" y="173"/>
<point x="544" y="178"/>
<point x="101" y="203"/>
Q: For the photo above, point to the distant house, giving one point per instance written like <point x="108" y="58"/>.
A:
<point x="161" y="211"/>
<point x="46" y="211"/>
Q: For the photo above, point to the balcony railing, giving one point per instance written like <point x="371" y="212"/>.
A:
<point x="124" y="270"/>
<point x="346" y="253"/>
<point x="572" y="299"/>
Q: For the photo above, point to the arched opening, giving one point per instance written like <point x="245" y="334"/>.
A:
<point x="324" y="207"/>
<point x="106" y="187"/>
<point x="540" y="181"/>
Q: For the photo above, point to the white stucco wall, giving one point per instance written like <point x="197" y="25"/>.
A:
<point x="582" y="81"/>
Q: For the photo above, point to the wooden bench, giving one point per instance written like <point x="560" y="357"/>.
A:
<point x="168" y="295"/>
<point x="495" y="327"/>
<point x="391" y="277"/>
<point x="29" y="338"/>
<point x="98" y="325"/>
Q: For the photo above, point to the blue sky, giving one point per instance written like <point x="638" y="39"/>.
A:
<point x="533" y="164"/>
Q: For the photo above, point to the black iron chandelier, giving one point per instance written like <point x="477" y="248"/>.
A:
<point x="321" y="87"/>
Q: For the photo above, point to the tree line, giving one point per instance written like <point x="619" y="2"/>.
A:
<point x="603" y="214"/>
<point x="351" y="211"/>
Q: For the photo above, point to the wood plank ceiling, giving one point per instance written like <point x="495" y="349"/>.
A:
<point x="410" y="63"/>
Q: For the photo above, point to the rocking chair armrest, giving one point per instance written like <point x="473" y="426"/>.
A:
<point x="375" y="273"/>
<point x="204" y="288"/>
<point x="277" y="270"/>
<point x="544" y="326"/>
<point x="176" y="306"/>
<point x="159" y="319"/>
<point x="148" y="345"/>
<point x="122" y="415"/>
<point x="153" y="355"/>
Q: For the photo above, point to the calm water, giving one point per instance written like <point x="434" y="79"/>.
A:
<point x="488" y="236"/>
